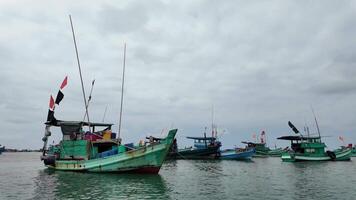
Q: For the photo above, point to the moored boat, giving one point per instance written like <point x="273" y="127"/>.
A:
<point x="307" y="148"/>
<point x="262" y="150"/>
<point x="100" y="151"/>
<point x="311" y="148"/>
<point x="204" y="148"/>
<point x="2" y="149"/>
<point x="237" y="154"/>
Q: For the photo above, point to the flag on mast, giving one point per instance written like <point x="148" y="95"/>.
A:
<point x="341" y="139"/>
<point x="263" y="135"/>
<point x="50" y="116"/>
<point x="60" y="94"/>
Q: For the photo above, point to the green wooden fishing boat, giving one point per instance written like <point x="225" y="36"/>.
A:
<point x="95" y="152"/>
<point x="263" y="151"/>
<point x="312" y="149"/>
<point x="353" y="154"/>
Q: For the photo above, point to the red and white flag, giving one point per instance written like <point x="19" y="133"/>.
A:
<point x="341" y="138"/>
<point x="263" y="137"/>
<point x="50" y="115"/>
<point x="51" y="103"/>
<point x="60" y="94"/>
<point x="64" y="83"/>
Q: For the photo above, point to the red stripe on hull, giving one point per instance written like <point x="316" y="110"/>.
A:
<point x="146" y="170"/>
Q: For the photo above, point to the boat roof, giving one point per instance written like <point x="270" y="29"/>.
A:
<point x="154" y="138"/>
<point x="297" y="137"/>
<point x="251" y="142"/>
<point x="202" y="138"/>
<point x="78" y="123"/>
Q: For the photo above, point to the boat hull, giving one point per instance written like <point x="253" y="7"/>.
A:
<point x="147" y="159"/>
<point x="340" y="155"/>
<point x="2" y="149"/>
<point x="353" y="152"/>
<point x="208" y="153"/>
<point x="232" y="154"/>
<point x="269" y="153"/>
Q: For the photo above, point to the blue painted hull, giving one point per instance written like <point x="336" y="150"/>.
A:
<point x="233" y="154"/>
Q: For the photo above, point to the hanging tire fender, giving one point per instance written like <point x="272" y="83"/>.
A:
<point x="331" y="155"/>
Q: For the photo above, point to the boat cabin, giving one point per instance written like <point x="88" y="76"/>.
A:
<point x="204" y="142"/>
<point x="257" y="146"/>
<point x="83" y="140"/>
<point x="305" y="145"/>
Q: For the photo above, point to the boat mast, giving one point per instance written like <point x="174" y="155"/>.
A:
<point x="122" y="90"/>
<point x="80" y="71"/>
<point x="316" y="122"/>
<point x="212" y="121"/>
<point x="206" y="145"/>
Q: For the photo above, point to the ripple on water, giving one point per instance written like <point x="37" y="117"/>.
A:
<point x="24" y="177"/>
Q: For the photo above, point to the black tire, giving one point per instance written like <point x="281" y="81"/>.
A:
<point x="331" y="155"/>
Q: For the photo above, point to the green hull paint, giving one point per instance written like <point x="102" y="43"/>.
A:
<point x="262" y="151"/>
<point x="311" y="148"/>
<point x="148" y="158"/>
<point x="341" y="155"/>
<point x="353" y="152"/>
<point x="269" y="153"/>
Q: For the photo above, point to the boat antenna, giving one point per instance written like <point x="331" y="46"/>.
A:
<point x="206" y="145"/>
<point x="212" y="121"/>
<point x="122" y="90"/>
<point x="306" y="128"/>
<point x="104" y="113"/>
<point x="89" y="98"/>
<point x="316" y="121"/>
<point x="80" y="70"/>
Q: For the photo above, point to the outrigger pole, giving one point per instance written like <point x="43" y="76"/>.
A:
<point x="106" y="108"/>
<point x="212" y="121"/>
<point x="89" y="98"/>
<point x="80" y="71"/>
<point x="122" y="90"/>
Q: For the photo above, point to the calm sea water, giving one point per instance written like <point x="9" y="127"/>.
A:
<point x="22" y="176"/>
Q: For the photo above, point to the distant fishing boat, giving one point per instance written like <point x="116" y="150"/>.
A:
<point x="237" y="154"/>
<point x="261" y="148"/>
<point x="263" y="151"/>
<point x="2" y="149"/>
<point x="204" y="148"/>
<point x="311" y="148"/>
<point x="353" y="148"/>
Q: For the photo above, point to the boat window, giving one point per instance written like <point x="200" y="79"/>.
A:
<point x="310" y="150"/>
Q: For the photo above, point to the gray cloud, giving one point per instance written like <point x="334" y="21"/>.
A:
<point x="259" y="63"/>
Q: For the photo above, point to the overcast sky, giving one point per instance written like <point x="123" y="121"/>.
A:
<point x="259" y="63"/>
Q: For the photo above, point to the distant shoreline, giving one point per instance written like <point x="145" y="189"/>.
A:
<point x="20" y="150"/>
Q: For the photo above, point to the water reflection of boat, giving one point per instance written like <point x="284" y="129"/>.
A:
<point x="71" y="185"/>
